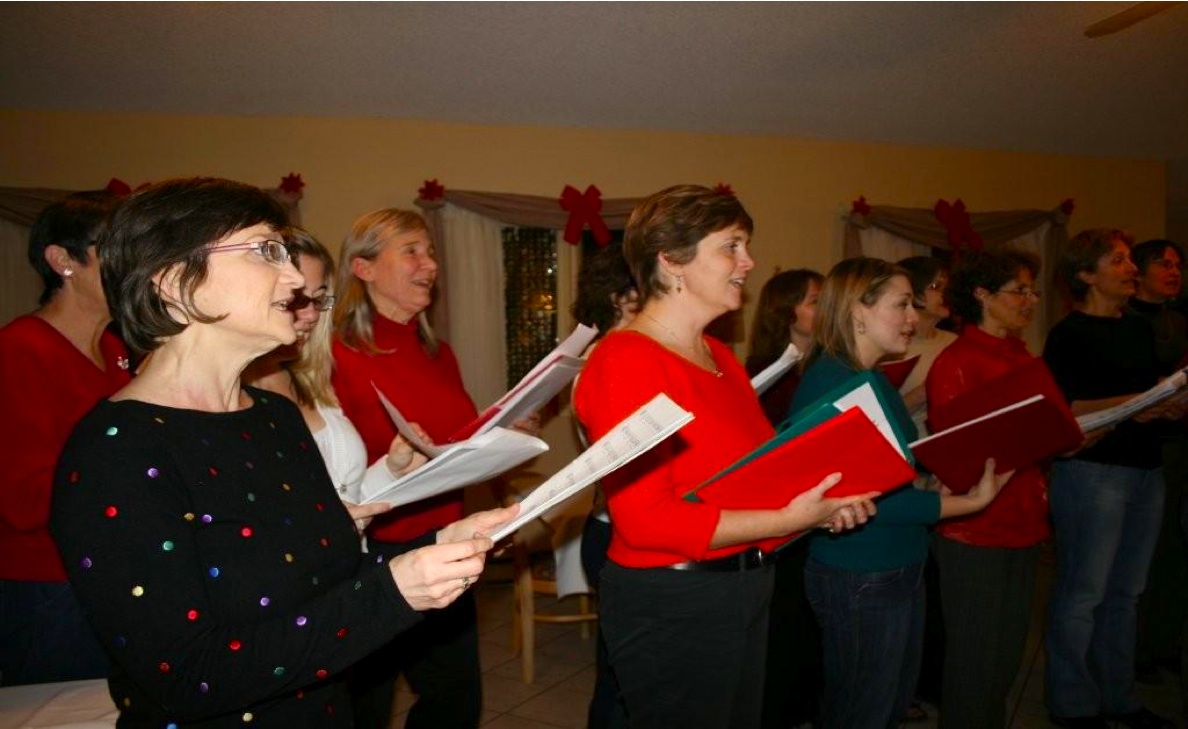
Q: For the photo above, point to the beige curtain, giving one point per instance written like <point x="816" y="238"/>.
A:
<point x="1045" y="232"/>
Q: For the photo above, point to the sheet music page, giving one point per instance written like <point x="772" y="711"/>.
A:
<point x="476" y="460"/>
<point x="864" y="397"/>
<point x="642" y="430"/>
<point x="763" y="381"/>
<point x="1135" y="405"/>
<point x="406" y="430"/>
<point x="987" y="416"/>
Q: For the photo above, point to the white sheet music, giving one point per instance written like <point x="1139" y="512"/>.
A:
<point x="642" y="430"/>
<point x="763" y="381"/>
<point x="1135" y="405"/>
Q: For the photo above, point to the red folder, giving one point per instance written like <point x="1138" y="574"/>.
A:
<point x="848" y="444"/>
<point x="899" y="370"/>
<point x="1029" y="422"/>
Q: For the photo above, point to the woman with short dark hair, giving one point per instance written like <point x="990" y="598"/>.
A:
<point x="987" y="560"/>
<point x="195" y="516"/>
<point x="55" y="364"/>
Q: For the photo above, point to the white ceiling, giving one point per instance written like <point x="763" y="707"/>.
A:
<point x="1018" y="76"/>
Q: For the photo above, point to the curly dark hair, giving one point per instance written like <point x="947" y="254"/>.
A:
<point x="604" y="277"/>
<point x="922" y="271"/>
<point x="984" y="270"/>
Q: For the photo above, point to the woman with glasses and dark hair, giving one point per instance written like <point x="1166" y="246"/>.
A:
<point x="301" y="372"/>
<point x="1107" y="499"/>
<point x="987" y="560"/>
<point x="195" y="516"/>
<point x="55" y="364"/>
<point x="930" y="283"/>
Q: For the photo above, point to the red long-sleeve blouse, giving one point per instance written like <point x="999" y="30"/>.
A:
<point x="653" y="524"/>
<point x="1019" y="516"/>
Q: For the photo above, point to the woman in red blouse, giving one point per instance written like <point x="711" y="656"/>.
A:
<point x="987" y="560"/>
<point x="684" y="597"/>
<point x="55" y="364"/>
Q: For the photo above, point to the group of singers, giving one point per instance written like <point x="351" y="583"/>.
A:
<point x="194" y="532"/>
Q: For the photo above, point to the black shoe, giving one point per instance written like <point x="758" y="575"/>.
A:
<point x="1143" y="719"/>
<point x="1080" y="722"/>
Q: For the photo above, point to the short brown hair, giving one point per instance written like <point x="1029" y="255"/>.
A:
<point x="673" y="221"/>
<point x="1081" y="255"/>
<point x="173" y="223"/>
<point x="986" y="270"/>
<point x="852" y="282"/>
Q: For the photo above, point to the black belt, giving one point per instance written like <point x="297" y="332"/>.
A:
<point x="748" y="560"/>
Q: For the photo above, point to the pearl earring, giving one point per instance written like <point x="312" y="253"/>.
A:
<point x="67" y="272"/>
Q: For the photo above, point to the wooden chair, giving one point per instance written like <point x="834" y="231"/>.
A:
<point x="535" y="540"/>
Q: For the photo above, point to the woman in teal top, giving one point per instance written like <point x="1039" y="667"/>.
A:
<point x="866" y="586"/>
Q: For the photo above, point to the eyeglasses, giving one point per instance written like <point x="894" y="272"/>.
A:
<point x="322" y="303"/>
<point x="273" y="251"/>
<point x="1034" y="293"/>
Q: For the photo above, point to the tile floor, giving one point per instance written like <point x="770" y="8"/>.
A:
<point x="565" y="671"/>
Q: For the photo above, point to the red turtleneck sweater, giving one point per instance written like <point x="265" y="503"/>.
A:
<point x="426" y="390"/>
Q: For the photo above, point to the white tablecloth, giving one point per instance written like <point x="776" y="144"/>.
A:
<point x="73" y="704"/>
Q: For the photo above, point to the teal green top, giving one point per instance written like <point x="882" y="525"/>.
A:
<point x="898" y="535"/>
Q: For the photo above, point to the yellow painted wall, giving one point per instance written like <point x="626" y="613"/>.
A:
<point x="796" y="189"/>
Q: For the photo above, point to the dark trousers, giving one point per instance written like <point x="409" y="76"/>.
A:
<point x="439" y="658"/>
<point x="1163" y="607"/>
<point x="872" y="626"/>
<point x="606" y="708"/>
<point x="986" y="596"/>
<point x="794" y="683"/>
<point x="44" y="636"/>
<point x="688" y="648"/>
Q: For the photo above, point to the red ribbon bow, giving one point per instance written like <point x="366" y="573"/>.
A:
<point x="860" y="206"/>
<point x="431" y="190"/>
<point x="292" y="183"/>
<point x="955" y="218"/>
<point x="1067" y="207"/>
<point x="584" y="209"/>
<point x="116" y="186"/>
<point x="724" y="189"/>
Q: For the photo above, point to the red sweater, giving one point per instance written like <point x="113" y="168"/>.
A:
<point x="426" y="390"/>
<point x="47" y="386"/>
<point x="1019" y="516"/>
<point x="653" y="525"/>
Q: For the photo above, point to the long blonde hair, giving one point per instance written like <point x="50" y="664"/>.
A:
<point x="354" y="312"/>
<point x="852" y="282"/>
<point x="311" y="371"/>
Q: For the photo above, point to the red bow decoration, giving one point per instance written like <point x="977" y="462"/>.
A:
<point x="955" y="218"/>
<point x="723" y="189"/>
<point x="860" y="206"/>
<point x="584" y="209"/>
<point x="292" y="183"/>
<point x="1067" y="207"/>
<point x="431" y="190"/>
<point x="116" y="186"/>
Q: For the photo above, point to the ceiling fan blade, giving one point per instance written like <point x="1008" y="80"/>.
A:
<point x="1127" y="18"/>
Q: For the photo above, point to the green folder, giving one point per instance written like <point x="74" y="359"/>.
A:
<point x="822" y="410"/>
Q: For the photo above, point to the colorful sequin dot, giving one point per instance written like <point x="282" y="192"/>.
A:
<point x="112" y="430"/>
<point x="207" y="518"/>
<point x="320" y="506"/>
<point x="213" y="471"/>
<point x="251" y="497"/>
<point x="73" y="477"/>
<point x="111" y="512"/>
<point x="264" y="601"/>
<point x="167" y="545"/>
<point x="322" y="673"/>
<point x="340" y="633"/>
<point x="286" y="487"/>
<point x="86" y="563"/>
<point x="247" y="717"/>
<point x="249" y="465"/>
<point x="278" y="671"/>
<point x="203" y="687"/>
<point x="192" y="615"/>
<point x="324" y="542"/>
<point x="188" y="516"/>
<point x="163" y="667"/>
<point x="246" y="532"/>
<point x="171" y="725"/>
<point x="301" y="621"/>
<point x="288" y="557"/>
<point x="213" y="571"/>
<point x="138" y="591"/>
<point x="153" y="472"/>
<point x="235" y="644"/>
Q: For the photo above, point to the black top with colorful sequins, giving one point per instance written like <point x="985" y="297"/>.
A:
<point x="218" y="566"/>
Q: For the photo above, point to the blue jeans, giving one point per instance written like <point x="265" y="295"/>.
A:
<point x="44" y="636"/>
<point x="1106" y="521"/>
<point x="872" y="629"/>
